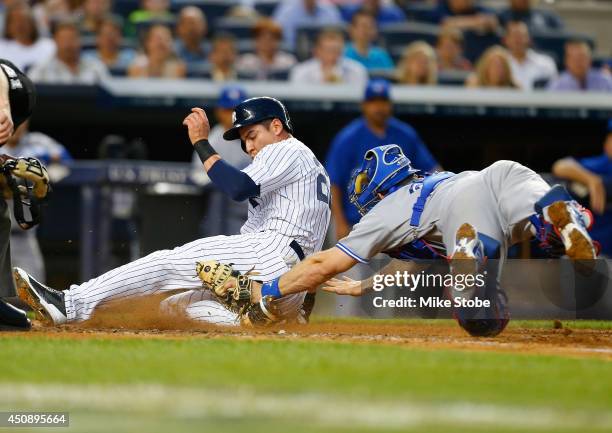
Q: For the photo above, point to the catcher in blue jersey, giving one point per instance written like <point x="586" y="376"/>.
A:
<point x="464" y="218"/>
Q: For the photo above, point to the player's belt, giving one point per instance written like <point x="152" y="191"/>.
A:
<point x="297" y="249"/>
<point x="429" y="184"/>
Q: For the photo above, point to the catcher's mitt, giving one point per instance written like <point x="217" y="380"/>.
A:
<point x="233" y="290"/>
<point x="26" y="181"/>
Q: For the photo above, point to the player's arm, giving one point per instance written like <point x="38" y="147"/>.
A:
<point x="6" y="120"/>
<point x="569" y="168"/>
<point x="235" y="183"/>
<point x="341" y="224"/>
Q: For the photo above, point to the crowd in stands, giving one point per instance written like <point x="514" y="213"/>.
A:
<point x="415" y="42"/>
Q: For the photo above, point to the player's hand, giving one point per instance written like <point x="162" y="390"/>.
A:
<point x="597" y="194"/>
<point x="344" y="286"/>
<point x="197" y="125"/>
<point x="6" y="126"/>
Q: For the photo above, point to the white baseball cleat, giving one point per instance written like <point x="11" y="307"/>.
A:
<point x="47" y="303"/>
<point x="571" y="225"/>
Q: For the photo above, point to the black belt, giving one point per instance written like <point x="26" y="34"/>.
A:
<point x="297" y="249"/>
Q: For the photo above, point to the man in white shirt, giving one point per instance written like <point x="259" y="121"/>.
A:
<point x="328" y="64"/>
<point x="527" y="65"/>
<point x="67" y="66"/>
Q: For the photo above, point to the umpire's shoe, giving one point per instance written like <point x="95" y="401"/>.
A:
<point x="47" y="303"/>
<point x="12" y="318"/>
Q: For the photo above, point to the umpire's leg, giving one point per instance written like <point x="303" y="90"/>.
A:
<point x="10" y="317"/>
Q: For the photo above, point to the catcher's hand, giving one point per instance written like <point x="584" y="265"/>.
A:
<point x="233" y="290"/>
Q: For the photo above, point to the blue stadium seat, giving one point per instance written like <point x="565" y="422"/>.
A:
<point x="553" y="43"/>
<point x="474" y="43"/>
<point x="280" y="75"/>
<point x="421" y="12"/>
<point x="266" y="7"/>
<point x="239" y="28"/>
<point x="401" y="34"/>
<point x="124" y="8"/>
<point x="452" y="78"/>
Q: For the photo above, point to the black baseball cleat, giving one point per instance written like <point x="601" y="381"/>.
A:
<point x="12" y="318"/>
<point x="47" y="303"/>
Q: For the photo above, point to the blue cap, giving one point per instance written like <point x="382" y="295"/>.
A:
<point x="231" y="96"/>
<point x="377" y="88"/>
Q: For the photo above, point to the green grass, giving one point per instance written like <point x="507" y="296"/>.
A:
<point x="336" y="372"/>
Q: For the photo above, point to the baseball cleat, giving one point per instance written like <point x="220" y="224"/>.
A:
<point x="571" y="225"/>
<point x="47" y="303"/>
<point x="12" y="318"/>
<point x="467" y="255"/>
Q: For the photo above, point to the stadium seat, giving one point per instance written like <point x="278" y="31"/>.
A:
<point x="401" y="34"/>
<point x="452" y="78"/>
<point x="238" y="27"/>
<point x="423" y="13"/>
<point x="124" y="8"/>
<point x="266" y="7"/>
<point x="474" y="43"/>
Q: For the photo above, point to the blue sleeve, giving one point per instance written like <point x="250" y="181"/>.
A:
<point x="420" y="156"/>
<point x="235" y="183"/>
<point x="336" y="162"/>
<point x="600" y="164"/>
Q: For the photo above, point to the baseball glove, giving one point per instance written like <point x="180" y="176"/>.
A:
<point x="233" y="290"/>
<point x="26" y="182"/>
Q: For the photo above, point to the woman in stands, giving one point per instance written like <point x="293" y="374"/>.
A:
<point x="158" y="59"/>
<point x="418" y="65"/>
<point x="493" y="70"/>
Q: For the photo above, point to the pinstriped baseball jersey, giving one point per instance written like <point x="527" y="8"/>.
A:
<point x="294" y="205"/>
<point x="294" y="194"/>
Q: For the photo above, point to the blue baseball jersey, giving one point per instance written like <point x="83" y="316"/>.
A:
<point x="354" y="140"/>
<point x="602" y="229"/>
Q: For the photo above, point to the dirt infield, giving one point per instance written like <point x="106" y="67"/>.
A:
<point x="143" y="320"/>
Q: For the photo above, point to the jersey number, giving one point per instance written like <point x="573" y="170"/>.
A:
<point x="323" y="189"/>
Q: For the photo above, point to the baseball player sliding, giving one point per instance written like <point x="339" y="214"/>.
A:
<point x="288" y="215"/>
<point x="464" y="218"/>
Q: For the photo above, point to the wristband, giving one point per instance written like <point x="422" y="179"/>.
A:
<point x="204" y="149"/>
<point x="271" y="288"/>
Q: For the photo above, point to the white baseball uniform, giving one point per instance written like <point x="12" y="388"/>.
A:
<point x="293" y="205"/>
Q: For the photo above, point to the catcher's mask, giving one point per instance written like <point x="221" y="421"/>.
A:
<point x="382" y="171"/>
<point x="28" y="182"/>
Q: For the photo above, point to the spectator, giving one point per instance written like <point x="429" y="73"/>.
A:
<point x="328" y="64"/>
<point x="151" y="11"/>
<point x="418" y="65"/>
<point x="68" y="66"/>
<point x="493" y="70"/>
<point x="596" y="174"/>
<point x="376" y="126"/>
<point x="224" y="216"/>
<point x="158" y="59"/>
<point x="267" y="58"/>
<point x="537" y="20"/>
<point x="449" y="49"/>
<point x="25" y="250"/>
<point x="21" y="43"/>
<point x="384" y="11"/>
<point x="109" y="49"/>
<point x="579" y="75"/>
<point x="50" y="11"/>
<point x="222" y="58"/>
<point x="465" y="15"/>
<point x="363" y="33"/>
<point x="191" y="30"/>
<point x="293" y="14"/>
<point x="92" y="15"/>
<point x="527" y="65"/>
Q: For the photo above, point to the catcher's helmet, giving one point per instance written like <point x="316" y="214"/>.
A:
<point x="256" y="110"/>
<point x="21" y="92"/>
<point x="382" y="170"/>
